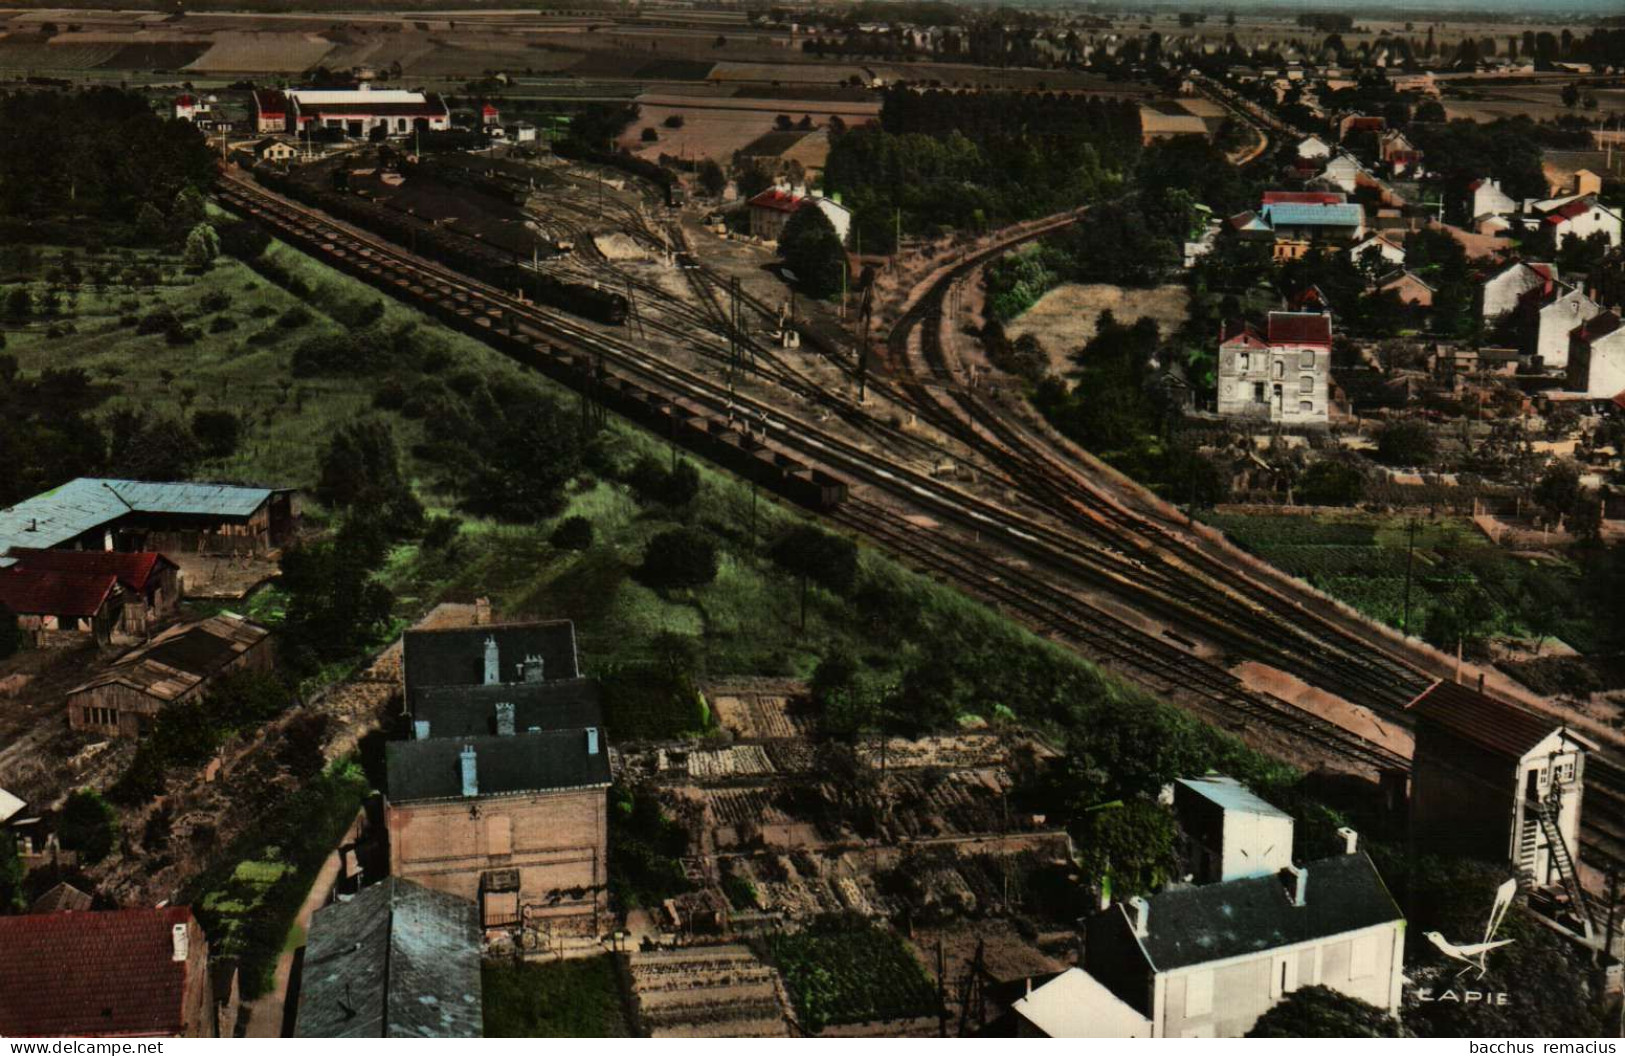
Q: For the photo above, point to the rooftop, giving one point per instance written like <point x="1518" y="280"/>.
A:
<point x="92" y="974"/>
<point x="1304" y="198"/>
<point x="1230" y="794"/>
<point x="1300" y="214"/>
<point x="455" y="656"/>
<point x="396" y="961"/>
<point x="471" y="711"/>
<point x="1495" y="725"/>
<point x="134" y="571"/>
<point x="39" y="592"/>
<point x="1300" y="328"/>
<point x="1075" y="1005"/>
<point x="54" y="517"/>
<point x="1213" y="922"/>
<point x="181" y="658"/>
<point x="535" y="762"/>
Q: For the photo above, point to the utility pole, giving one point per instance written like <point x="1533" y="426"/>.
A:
<point x="1410" y="560"/>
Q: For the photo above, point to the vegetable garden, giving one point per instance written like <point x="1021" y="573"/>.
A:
<point x="844" y="971"/>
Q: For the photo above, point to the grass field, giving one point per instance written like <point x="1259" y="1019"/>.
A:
<point x="557" y="999"/>
<point x="1361" y="559"/>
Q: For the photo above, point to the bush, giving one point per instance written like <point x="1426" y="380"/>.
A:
<point x="679" y="558"/>
<point x="1407" y="443"/>
<point x="215" y="301"/>
<point x="222" y="324"/>
<point x="217" y="432"/>
<point x="88" y="825"/>
<point x="572" y="533"/>
<point x="441" y="532"/>
<point x="1328" y="483"/>
<point x="158" y="321"/>
<point x="651" y="481"/>
<point x="295" y="317"/>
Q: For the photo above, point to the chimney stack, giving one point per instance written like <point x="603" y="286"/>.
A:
<point x="504" y="720"/>
<point x="179" y="943"/>
<point x="592" y="740"/>
<point x="471" y="779"/>
<point x="482" y="611"/>
<point x="533" y="668"/>
<point x="1351" y="840"/>
<point x="1300" y="884"/>
<point x="420" y="729"/>
<point x="493" y="672"/>
<point x="1139" y="915"/>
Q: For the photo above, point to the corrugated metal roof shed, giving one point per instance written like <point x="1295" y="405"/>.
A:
<point x="86" y="503"/>
<point x="182" y="657"/>
<point x="1231" y="794"/>
<point x="1298" y="214"/>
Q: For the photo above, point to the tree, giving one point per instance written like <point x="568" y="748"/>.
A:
<point x="572" y="533"/>
<point x="202" y="246"/>
<point x="158" y="448"/>
<point x="713" y="181"/>
<point x="1331" y="483"/>
<point x="11" y="635"/>
<point x="334" y="606"/>
<point x="815" y="556"/>
<point x="649" y="134"/>
<point x="813" y="251"/>
<point x="651" y="481"/>
<point x="1321" y="1012"/>
<point x="1570" y="95"/>
<point x="12" y="898"/>
<point x="19" y="304"/>
<point x="1559" y="488"/>
<point x="1407" y="443"/>
<point x="217" y="432"/>
<point x="243" y="239"/>
<point x="88" y="825"/>
<point x="149" y="225"/>
<point x="360" y="470"/>
<point x="1128" y="845"/>
<point x="678" y="559"/>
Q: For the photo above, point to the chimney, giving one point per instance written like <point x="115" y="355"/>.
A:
<point x="1351" y="839"/>
<point x="1481" y="681"/>
<point x="471" y="780"/>
<point x="504" y="720"/>
<point x="33" y="524"/>
<point x="493" y="673"/>
<point x="533" y="669"/>
<point x="592" y="740"/>
<point x="482" y="611"/>
<point x="179" y="943"/>
<point x="1139" y="915"/>
<point x="1300" y="884"/>
<point x="420" y="729"/>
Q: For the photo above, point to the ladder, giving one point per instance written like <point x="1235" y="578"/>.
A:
<point x="1559" y="852"/>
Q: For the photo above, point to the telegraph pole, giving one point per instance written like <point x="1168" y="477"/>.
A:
<point x="1410" y="560"/>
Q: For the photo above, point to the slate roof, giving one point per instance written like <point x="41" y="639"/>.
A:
<point x="85" y="503"/>
<point x="455" y="656"/>
<point x="1299" y="214"/>
<point x="1300" y="328"/>
<point x="1195" y="925"/>
<point x="1597" y="326"/>
<point x="181" y="658"/>
<point x="530" y="762"/>
<point x="1495" y="725"/>
<point x="471" y="711"/>
<point x="92" y="974"/>
<point x="396" y="961"/>
<point x="42" y="593"/>
<point x="62" y="898"/>
<point x="135" y="571"/>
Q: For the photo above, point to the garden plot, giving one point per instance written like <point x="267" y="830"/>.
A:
<point x="256" y="52"/>
<point x="759" y="710"/>
<point x="706" y="992"/>
<point x="956" y="751"/>
<point x="739" y="761"/>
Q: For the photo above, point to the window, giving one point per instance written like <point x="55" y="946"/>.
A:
<point x="1280" y="368"/>
<point x="1284" y="975"/>
<point x="101" y="716"/>
<point x="1198" y="994"/>
<point x="1306" y="407"/>
<point x="498" y="835"/>
<point x="1306" y="359"/>
<point x="1363" y="957"/>
<point x="1244" y="362"/>
<point x="1565" y="769"/>
<point x="1306" y="384"/>
<point x="1258" y="392"/>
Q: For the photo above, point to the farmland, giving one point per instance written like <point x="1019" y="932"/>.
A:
<point x="841" y="973"/>
<point x="554" y="999"/>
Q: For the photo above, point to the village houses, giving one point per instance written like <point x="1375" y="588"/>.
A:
<point x="1281" y="375"/>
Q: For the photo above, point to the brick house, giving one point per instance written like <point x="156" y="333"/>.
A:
<point x="182" y="664"/>
<point x="151" y="582"/>
<point x="1282" y="375"/>
<point x="123" y="973"/>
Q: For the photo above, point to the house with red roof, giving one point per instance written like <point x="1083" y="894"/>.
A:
<point x="1580" y="218"/>
<point x="121" y="973"/>
<point x="355" y="112"/>
<point x="490" y="115"/>
<point x="63" y="609"/>
<point x="151" y="581"/>
<point x="773" y="208"/>
<point x="1280" y="375"/>
<point x="189" y="107"/>
<point x="1597" y="357"/>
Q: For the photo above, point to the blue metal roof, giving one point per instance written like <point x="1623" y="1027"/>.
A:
<point x="1298" y="214"/>
<point x="1231" y="794"/>
<point x="86" y="503"/>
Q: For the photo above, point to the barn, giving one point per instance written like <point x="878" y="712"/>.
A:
<point x="354" y="111"/>
<point x="151" y="582"/>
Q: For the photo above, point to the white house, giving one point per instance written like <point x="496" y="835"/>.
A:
<point x="1234" y="834"/>
<point x="1597" y="357"/>
<point x="1282" y="375"/>
<point x="1581" y="218"/>
<point x="1489" y="200"/>
<point x="1557" y="321"/>
<point x="1506" y="288"/>
<point x="1314" y="148"/>
<point x="1375" y="246"/>
<point x="1344" y="172"/>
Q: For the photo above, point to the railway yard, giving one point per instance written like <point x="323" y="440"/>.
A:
<point x="899" y="444"/>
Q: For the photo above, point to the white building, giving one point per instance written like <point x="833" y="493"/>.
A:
<point x="1377" y="248"/>
<point x="1075" y="1005"/>
<point x="1281" y="376"/>
<point x="1314" y="148"/>
<point x="1581" y="218"/>
<point x="1597" y="357"/>
<point x="1233" y="833"/>
<point x="771" y="210"/>
<point x="354" y="111"/>
<point x="1557" y="321"/>
<point x="1505" y="290"/>
<point x="1343" y="172"/>
<point x="1489" y="200"/>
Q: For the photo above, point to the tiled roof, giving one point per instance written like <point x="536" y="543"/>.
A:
<point x="778" y="200"/>
<point x="1304" y="197"/>
<point x="135" y="571"/>
<point x="1489" y="723"/>
<point x="57" y="516"/>
<point x="1300" y="328"/>
<point x="396" y="961"/>
<point x="181" y="658"/>
<point x="1213" y="922"/>
<point x="1239" y="331"/>
<point x="45" y="593"/>
<point x="1570" y="209"/>
<point x="529" y="762"/>
<point x="92" y="974"/>
<point x="1297" y="214"/>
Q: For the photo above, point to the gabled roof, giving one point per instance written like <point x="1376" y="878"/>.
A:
<point x="1248" y="221"/>
<point x="135" y="571"/>
<point x="44" y="593"/>
<point x="778" y="200"/>
<point x="1240" y="332"/>
<point x="62" y="898"/>
<point x="1299" y="214"/>
<point x="531" y="762"/>
<point x="1404" y="278"/>
<point x="455" y="656"/>
<point x="396" y="961"/>
<point x="471" y="711"/>
<point x="1231" y="795"/>
<point x="270" y="102"/>
<point x="10" y="806"/>
<point x="1571" y="209"/>
<point x="1496" y="725"/>
<point x="54" y="517"/>
<point x="181" y="658"/>
<point x="1597" y="326"/>
<point x="1075" y="1005"/>
<point x="1213" y="922"/>
<point x="102" y="974"/>
<point x="1300" y="328"/>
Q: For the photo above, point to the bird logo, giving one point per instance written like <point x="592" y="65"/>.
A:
<point x="1473" y="955"/>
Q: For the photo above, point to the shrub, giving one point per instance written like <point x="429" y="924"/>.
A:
<point x="88" y="825"/>
<point x="651" y="481"/>
<point x="157" y="321"/>
<point x="218" y="432"/>
<point x="215" y="301"/>
<point x="679" y="558"/>
<point x="295" y="317"/>
<point x="572" y="533"/>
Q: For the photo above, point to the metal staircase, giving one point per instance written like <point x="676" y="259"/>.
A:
<point x="1544" y="811"/>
